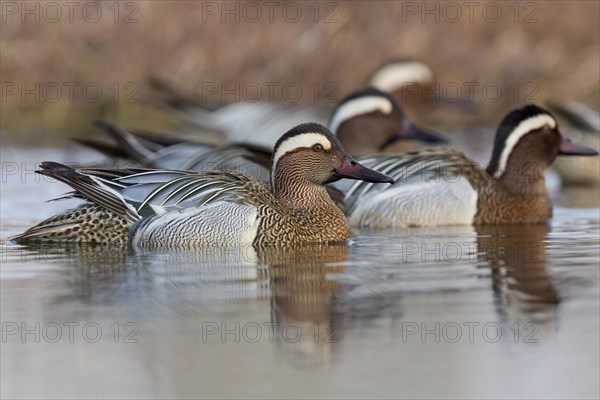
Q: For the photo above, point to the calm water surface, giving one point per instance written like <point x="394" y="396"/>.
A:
<point x="448" y="312"/>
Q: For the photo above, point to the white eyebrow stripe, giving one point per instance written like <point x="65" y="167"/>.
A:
<point x="526" y="126"/>
<point x="305" y="140"/>
<point x="359" y="106"/>
<point x="396" y="75"/>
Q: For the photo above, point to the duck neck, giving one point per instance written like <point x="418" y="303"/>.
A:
<point x="303" y="196"/>
<point x="522" y="169"/>
<point x="525" y="179"/>
<point x="296" y="192"/>
<point x="317" y="218"/>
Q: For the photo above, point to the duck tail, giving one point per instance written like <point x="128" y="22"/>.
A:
<point x="105" y="215"/>
<point x="88" y="223"/>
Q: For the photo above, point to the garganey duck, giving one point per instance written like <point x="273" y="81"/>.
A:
<point x="414" y="85"/>
<point x="444" y="187"/>
<point x="371" y="121"/>
<point x="182" y="209"/>
<point x="404" y="79"/>
<point x="367" y="122"/>
<point x="260" y="123"/>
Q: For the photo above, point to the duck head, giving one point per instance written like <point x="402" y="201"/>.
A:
<point x="526" y="143"/>
<point x="369" y="120"/>
<point x="394" y="76"/>
<point x="310" y="156"/>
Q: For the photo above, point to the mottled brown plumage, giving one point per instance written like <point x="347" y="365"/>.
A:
<point x="88" y="223"/>
<point x="325" y="223"/>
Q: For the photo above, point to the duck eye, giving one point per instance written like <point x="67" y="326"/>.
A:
<point x="317" y="147"/>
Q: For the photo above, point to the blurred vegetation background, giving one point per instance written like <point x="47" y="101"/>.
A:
<point x="118" y="46"/>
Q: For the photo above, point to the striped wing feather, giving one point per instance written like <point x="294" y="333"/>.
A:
<point x="413" y="167"/>
<point x="119" y="190"/>
<point x="199" y="189"/>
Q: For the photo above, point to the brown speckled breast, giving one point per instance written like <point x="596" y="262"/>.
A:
<point x="321" y="224"/>
<point x="496" y="205"/>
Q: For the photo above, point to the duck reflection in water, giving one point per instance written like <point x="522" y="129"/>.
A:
<point x="182" y="290"/>
<point x="304" y="282"/>
<point x="521" y="283"/>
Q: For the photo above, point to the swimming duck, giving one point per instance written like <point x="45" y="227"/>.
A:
<point x="260" y="123"/>
<point x="182" y="209"/>
<point x="445" y="187"/>
<point x="370" y="121"/>
<point x="404" y="79"/>
<point x="412" y="83"/>
<point x="367" y="122"/>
